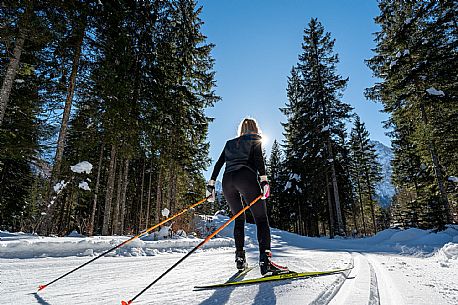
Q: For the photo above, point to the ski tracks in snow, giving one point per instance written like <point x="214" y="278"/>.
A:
<point x="368" y="283"/>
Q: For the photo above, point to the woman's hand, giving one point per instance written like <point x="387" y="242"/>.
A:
<point x="265" y="188"/>
<point x="210" y="193"/>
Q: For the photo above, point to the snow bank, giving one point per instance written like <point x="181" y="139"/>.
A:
<point x="31" y="246"/>
<point x="442" y="246"/>
<point x="449" y="251"/>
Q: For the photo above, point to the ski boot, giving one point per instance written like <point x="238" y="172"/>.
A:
<point x="268" y="267"/>
<point x="240" y="260"/>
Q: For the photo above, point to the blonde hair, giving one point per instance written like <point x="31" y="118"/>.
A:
<point x="248" y="125"/>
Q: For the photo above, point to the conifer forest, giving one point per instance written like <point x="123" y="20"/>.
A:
<point x="103" y="122"/>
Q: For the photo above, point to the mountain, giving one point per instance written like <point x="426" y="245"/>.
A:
<point x="385" y="189"/>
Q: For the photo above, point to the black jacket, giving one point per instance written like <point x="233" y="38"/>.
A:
<point x="244" y="151"/>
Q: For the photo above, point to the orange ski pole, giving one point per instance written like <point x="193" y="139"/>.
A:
<point x="41" y="287"/>
<point x="193" y="250"/>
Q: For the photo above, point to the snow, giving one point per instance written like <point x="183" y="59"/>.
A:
<point x="394" y="267"/>
<point x="295" y="177"/>
<point x="400" y="54"/>
<point x="75" y="233"/>
<point x="384" y="189"/>
<point x="60" y="186"/>
<point x="393" y="63"/>
<point x="165" y="212"/>
<point x="287" y="186"/>
<point x="453" y="179"/>
<point x="434" y="91"/>
<point x="84" y="186"/>
<point x="82" y="167"/>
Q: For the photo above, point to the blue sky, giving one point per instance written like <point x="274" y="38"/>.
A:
<point x="258" y="42"/>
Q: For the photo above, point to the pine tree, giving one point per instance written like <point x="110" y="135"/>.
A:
<point x="275" y="205"/>
<point x="416" y="62"/>
<point x="22" y="129"/>
<point x="365" y="172"/>
<point x="136" y="77"/>
<point x="316" y="117"/>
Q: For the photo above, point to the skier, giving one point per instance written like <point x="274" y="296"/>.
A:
<point x="244" y="161"/>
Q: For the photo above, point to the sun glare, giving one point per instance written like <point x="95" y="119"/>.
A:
<point x="265" y="139"/>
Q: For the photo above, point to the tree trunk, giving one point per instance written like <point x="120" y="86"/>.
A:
<point x="335" y="188"/>
<point x="437" y="169"/>
<point x="68" y="106"/>
<point x="362" y="207"/>
<point x="109" y="194"/>
<point x="174" y="190"/>
<point x="90" y="229"/>
<point x="372" y="210"/>
<point x="148" y="204"/>
<point x="299" y="219"/>
<point x="159" y="194"/>
<point x="353" y="212"/>
<point x="140" y="217"/>
<point x="115" y="229"/>
<point x="331" y="214"/>
<point x="10" y="75"/>
<point x="124" y="196"/>
<point x="170" y="188"/>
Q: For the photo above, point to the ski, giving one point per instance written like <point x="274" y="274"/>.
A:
<point x="278" y="277"/>
<point x="240" y="274"/>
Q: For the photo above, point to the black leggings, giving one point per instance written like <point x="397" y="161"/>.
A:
<point x="243" y="182"/>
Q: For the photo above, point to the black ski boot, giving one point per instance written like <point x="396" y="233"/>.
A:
<point x="240" y="260"/>
<point x="268" y="267"/>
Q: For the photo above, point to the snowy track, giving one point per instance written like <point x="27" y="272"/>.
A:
<point x="115" y="278"/>
<point x="386" y="272"/>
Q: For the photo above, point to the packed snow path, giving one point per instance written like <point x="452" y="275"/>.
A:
<point x="379" y="276"/>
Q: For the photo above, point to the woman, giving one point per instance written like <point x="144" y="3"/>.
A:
<point x="244" y="162"/>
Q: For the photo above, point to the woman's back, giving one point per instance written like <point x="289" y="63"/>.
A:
<point x="242" y="152"/>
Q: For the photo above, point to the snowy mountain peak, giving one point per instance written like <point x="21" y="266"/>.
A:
<point x="385" y="189"/>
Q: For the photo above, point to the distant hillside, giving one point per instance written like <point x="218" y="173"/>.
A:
<point x="385" y="189"/>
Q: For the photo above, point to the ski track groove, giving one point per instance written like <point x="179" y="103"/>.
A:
<point x="374" y="296"/>
<point x="332" y="290"/>
<point x="388" y="294"/>
<point x="362" y="287"/>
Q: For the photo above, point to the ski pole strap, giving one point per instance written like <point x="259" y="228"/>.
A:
<point x="193" y="250"/>
<point x="41" y="287"/>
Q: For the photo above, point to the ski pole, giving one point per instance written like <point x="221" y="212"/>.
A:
<point x="41" y="287"/>
<point x="193" y="250"/>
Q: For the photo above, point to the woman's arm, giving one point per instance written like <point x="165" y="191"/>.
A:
<point x="259" y="159"/>
<point x="218" y="165"/>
